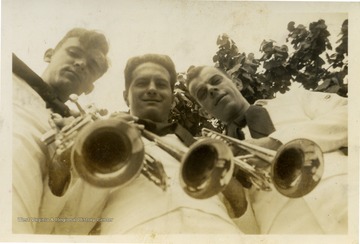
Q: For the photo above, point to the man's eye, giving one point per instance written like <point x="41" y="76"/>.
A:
<point x="216" y="81"/>
<point x="162" y="84"/>
<point x="73" y="53"/>
<point x="201" y="93"/>
<point x="141" y="83"/>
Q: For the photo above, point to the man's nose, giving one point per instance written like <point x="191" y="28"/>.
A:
<point x="80" y="63"/>
<point x="151" y="87"/>
<point x="213" y="91"/>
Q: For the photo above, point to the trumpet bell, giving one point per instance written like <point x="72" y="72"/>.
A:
<point x="298" y="168"/>
<point x="206" y="168"/>
<point x="108" y="153"/>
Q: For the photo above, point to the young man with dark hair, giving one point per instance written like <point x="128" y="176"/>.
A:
<point x="141" y="207"/>
<point x="78" y="60"/>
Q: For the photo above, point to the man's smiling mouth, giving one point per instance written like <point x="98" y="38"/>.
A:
<point x="151" y="100"/>
<point x="219" y="99"/>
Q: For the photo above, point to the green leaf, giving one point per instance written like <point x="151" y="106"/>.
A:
<point x="249" y="88"/>
<point x="215" y="58"/>
<point x="291" y="26"/>
<point x="233" y="69"/>
<point x="222" y="39"/>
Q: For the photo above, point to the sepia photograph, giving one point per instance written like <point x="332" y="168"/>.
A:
<point x="179" y="121"/>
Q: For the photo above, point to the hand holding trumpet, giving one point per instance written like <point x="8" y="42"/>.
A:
<point x="105" y="152"/>
<point x="64" y="131"/>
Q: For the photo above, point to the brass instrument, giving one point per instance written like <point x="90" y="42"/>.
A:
<point x="208" y="165"/>
<point x="205" y="160"/>
<point x="104" y="152"/>
<point x="109" y="152"/>
<point x="295" y="168"/>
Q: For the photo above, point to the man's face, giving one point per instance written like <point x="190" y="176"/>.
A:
<point x="218" y="95"/>
<point x="73" y="68"/>
<point x="150" y="95"/>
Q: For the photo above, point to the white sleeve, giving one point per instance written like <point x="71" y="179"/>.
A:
<point x="29" y="166"/>
<point x="326" y="122"/>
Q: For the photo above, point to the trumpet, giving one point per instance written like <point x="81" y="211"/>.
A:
<point x="104" y="152"/>
<point x="295" y="169"/>
<point x="205" y="160"/>
<point x="208" y="165"/>
<point x="110" y="152"/>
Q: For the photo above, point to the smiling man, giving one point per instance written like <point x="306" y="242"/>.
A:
<point x="149" y="85"/>
<point x="141" y="207"/>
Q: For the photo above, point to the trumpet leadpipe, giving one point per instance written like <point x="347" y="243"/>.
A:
<point x="266" y="154"/>
<point x="175" y="152"/>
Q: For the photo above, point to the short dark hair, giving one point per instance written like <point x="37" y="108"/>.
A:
<point x="89" y="39"/>
<point x="192" y="73"/>
<point x="160" y="59"/>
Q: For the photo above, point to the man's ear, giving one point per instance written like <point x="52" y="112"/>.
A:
<point x="48" y="54"/>
<point x="126" y="99"/>
<point x="205" y="114"/>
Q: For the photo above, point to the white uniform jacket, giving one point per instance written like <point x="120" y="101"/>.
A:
<point x="321" y="117"/>
<point x="34" y="208"/>
<point x="142" y="208"/>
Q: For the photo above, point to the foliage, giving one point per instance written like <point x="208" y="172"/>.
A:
<point x="275" y="71"/>
<point x="335" y="81"/>
<point x="306" y="64"/>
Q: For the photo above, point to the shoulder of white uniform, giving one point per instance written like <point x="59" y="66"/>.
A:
<point x="261" y="102"/>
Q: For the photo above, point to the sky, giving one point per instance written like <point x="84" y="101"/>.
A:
<point x="185" y="30"/>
